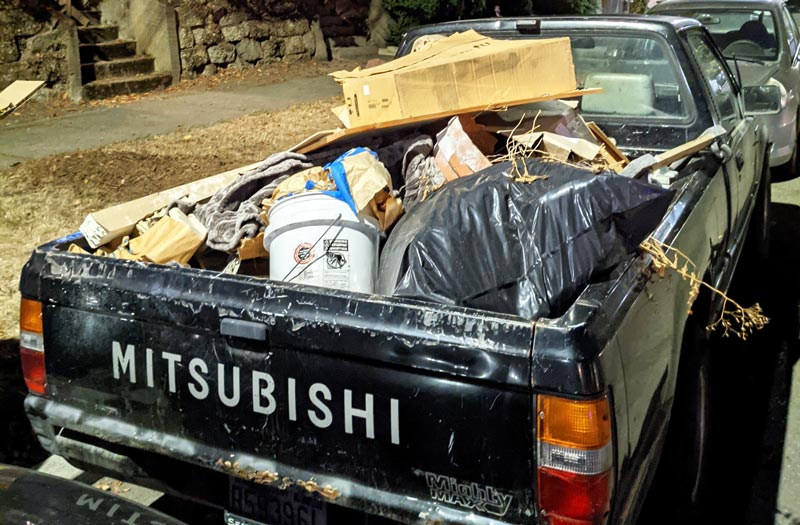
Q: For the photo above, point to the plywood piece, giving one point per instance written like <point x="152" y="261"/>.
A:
<point x="311" y="139"/>
<point x="338" y="135"/>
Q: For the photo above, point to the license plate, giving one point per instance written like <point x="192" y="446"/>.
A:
<point x="252" y="504"/>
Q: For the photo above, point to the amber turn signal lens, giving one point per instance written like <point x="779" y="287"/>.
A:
<point x="573" y="423"/>
<point x="30" y="316"/>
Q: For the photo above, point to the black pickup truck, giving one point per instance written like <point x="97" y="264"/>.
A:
<point x="297" y="405"/>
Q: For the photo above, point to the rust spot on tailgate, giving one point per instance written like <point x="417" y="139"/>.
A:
<point x="326" y="492"/>
<point x="262" y="477"/>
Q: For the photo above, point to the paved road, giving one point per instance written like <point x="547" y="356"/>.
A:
<point x="152" y="116"/>
<point x="787" y="194"/>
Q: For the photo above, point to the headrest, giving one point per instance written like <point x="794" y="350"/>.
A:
<point x="624" y="94"/>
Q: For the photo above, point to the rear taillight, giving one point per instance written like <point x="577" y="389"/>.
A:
<point x="31" y="346"/>
<point x="575" y="460"/>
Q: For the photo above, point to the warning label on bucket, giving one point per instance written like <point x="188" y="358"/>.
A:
<point x="337" y="263"/>
<point x="304" y="253"/>
<point x="336" y="260"/>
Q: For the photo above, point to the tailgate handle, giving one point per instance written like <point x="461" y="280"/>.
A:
<point x="243" y="329"/>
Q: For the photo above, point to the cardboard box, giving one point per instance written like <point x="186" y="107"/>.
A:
<point x="464" y="70"/>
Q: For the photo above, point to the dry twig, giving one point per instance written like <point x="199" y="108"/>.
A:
<point x="517" y="152"/>
<point x="734" y="319"/>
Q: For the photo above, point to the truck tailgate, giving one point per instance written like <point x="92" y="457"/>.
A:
<point x="400" y="409"/>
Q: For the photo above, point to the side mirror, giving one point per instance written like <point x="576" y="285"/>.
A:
<point x="762" y="100"/>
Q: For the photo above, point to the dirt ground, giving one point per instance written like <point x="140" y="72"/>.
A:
<point x="43" y="199"/>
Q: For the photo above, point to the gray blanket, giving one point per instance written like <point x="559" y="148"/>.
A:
<point x="233" y="213"/>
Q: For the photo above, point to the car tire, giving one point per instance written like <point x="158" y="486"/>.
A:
<point x="681" y="489"/>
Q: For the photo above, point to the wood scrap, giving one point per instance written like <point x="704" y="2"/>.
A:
<point x="16" y="94"/>
<point x="612" y="155"/>
<point x="340" y="134"/>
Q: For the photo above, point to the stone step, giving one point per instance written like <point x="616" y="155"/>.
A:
<point x="96" y="34"/>
<point x="354" y="52"/>
<point x="107" y="50"/>
<point x="121" y="67"/>
<point x="112" y="87"/>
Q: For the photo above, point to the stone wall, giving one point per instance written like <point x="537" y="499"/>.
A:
<point x="215" y="35"/>
<point x="33" y="45"/>
<point x="37" y="43"/>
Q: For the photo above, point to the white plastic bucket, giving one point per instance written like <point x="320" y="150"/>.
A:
<point x="313" y="238"/>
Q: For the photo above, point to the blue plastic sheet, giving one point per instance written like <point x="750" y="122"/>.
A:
<point x="337" y="174"/>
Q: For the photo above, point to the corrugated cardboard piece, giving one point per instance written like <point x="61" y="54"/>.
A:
<point x="111" y="223"/>
<point x="464" y="70"/>
<point x="455" y="153"/>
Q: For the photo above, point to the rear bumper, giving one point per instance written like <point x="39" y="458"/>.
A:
<point x="115" y="446"/>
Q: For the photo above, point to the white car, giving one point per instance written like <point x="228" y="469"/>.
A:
<point x="761" y="42"/>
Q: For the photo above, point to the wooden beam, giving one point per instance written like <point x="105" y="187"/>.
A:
<point x="77" y="14"/>
<point x="684" y="150"/>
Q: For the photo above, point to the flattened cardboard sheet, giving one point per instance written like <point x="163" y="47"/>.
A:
<point x="464" y="70"/>
<point x="103" y="226"/>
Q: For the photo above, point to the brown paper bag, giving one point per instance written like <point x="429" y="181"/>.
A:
<point x="386" y="208"/>
<point x="297" y="184"/>
<point x="252" y="248"/>
<point x="366" y="176"/>
<point x="169" y="240"/>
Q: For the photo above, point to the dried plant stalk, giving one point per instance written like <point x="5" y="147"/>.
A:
<point x="734" y="319"/>
<point x="517" y="152"/>
<point x="527" y="179"/>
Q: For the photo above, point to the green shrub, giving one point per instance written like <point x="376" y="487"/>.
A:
<point x="638" y="6"/>
<point x="585" y="7"/>
<point x="407" y="14"/>
<point x="411" y="13"/>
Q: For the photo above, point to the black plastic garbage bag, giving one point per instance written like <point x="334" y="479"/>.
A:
<point x="488" y="242"/>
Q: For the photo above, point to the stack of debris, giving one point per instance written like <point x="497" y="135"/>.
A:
<point x="429" y="190"/>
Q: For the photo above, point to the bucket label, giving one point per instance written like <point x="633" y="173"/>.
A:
<point x="304" y="253"/>
<point x="336" y="273"/>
